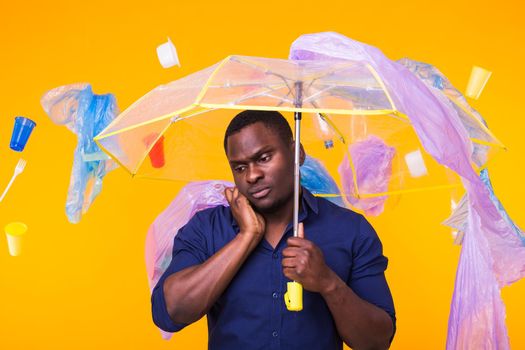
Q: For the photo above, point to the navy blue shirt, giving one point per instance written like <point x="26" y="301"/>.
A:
<point x="251" y="313"/>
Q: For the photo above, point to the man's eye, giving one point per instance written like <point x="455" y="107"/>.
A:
<point x="239" y="168"/>
<point x="264" y="159"/>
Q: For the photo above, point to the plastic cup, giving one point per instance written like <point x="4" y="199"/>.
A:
<point x="156" y="154"/>
<point x="21" y="132"/>
<point x="15" y="232"/>
<point x="478" y="79"/>
<point x="167" y="54"/>
<point x="416" y="164"/>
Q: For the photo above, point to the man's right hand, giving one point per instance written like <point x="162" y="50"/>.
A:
<point x="250" y="223"/>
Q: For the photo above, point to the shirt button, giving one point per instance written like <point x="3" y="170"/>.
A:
<point x="275" y="295"/>
<point x="275" y="255"/>
<point x="275" y="334"/>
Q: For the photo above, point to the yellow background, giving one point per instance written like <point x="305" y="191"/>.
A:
<point x="84" y="286"/>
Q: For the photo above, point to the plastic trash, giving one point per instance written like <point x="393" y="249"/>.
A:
<point x="167" y="54"/>
<point x="372" y="161"/>
<point x="85" y="114"/>
<point x="21" y="132"/>
<point x="191" y="199"/>
<point x="477" y="81"/>
<point x="156" y="154"/>
<point x="471" y="120"/>
<point x="15" y="232"/>
<point x="20" y="166"/>
<point x="317" y="180"/>
<point x="492" y="254"/>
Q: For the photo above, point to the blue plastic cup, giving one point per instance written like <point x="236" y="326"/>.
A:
<point x="21" y="132"/>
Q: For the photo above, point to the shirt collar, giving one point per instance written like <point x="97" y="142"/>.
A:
<point x="310" y="200"/>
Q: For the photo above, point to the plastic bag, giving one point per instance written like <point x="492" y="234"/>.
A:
<point x="493" y="254"/>
<point x="472" y="121"/>
<point x="372" y="160"/>
<point x="192" y="198"/>
<point x="317" y="180"/>
<point x="85" y="114"/>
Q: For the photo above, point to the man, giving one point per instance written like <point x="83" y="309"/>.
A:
<point x="232" y="263"/>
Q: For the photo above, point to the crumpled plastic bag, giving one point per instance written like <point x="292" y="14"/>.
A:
<point x="192" y="198"/>
<point x="317" y="180"/>
<point x="85" y="114"/>
<point x="372" y="160"/>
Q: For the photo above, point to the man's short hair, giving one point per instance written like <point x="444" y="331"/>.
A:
<point x="271" y="119"/>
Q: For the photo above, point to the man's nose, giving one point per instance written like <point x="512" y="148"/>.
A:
<point x="253" y="174"/>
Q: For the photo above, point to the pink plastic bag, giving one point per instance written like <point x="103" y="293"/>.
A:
<point x="194" y="197"/>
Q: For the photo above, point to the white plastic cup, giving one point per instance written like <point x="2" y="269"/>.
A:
<point x="478" y="79"/>
<point x="167" y="54"/>
<point x="15" y="232"/>
<point x="416" y="164"/>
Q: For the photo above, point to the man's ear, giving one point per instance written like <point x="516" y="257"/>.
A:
<point x="302" y="155"/>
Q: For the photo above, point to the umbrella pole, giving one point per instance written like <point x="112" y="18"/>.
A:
<point x="297" y="165"/>
<point x="297" y="178"/>
<point x="293" y="297"/>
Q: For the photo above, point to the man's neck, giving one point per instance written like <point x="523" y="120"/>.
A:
<point x="277" y="220"/>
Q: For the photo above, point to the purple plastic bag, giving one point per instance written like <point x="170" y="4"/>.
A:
<point x="493" y="254"/>
<point x="372" y="160"/>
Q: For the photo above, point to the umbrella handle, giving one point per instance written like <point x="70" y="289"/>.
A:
<point x="293" y="298"/>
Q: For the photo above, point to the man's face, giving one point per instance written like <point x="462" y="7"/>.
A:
<point x="262" y="166"/>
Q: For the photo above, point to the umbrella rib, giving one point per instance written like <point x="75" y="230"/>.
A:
<point x="380" y="81"/>
<point x="264" y="93"/>
<point x="266" y="71"/>
<point x="313" y="96"/>
<point x="319" y="76"/>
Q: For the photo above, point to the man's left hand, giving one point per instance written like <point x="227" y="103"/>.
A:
<point x="303" y="262"/>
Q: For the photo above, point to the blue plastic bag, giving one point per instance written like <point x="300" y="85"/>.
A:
<point x="86" y="115"/>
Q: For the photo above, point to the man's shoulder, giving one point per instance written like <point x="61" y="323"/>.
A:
<point x="329" y="208"/>
<point x="211" y="215"/>
<point x="206" y="224"/>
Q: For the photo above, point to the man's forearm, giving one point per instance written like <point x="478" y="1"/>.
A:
<point x="360" y="324"/>
<point x="190" y="293"/>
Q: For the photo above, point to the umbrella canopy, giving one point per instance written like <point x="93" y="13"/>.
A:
<point x="350" y="123"/>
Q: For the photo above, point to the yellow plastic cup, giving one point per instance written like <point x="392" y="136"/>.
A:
<point x="478" y="79"/>
<point x="15" y="232"/>
<point x="293" y="298"/>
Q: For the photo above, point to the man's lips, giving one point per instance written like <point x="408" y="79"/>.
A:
<point x="260" y="193"/>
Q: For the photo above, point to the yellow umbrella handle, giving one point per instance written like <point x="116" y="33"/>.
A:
<point x="293" y="298"/>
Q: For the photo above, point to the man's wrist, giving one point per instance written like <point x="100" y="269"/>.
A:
<point x="250" y="240"/>
<point x="331" y="284"/>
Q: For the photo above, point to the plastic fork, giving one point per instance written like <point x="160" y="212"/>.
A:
<point x="18" y="169"/>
